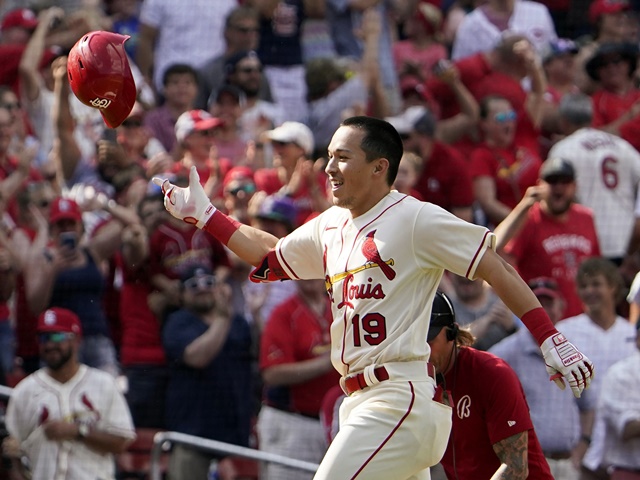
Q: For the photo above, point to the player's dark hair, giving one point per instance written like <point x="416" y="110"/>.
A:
<point x="577" y="109"/>
<point x="381" y="140"/>
<point x="179" y="69"/>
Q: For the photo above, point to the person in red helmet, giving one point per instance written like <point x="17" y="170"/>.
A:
<point x="105" y="85"/>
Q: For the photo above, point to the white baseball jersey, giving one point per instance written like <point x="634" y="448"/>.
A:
<point x="382" y="270"/>
<point x="607" y="175"/>
<point x="477" y="34"/>
<point x="90" y="397"/>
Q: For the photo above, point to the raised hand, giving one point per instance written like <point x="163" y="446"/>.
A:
<point x="190" y="204"/>
<point x="565" y="362"/>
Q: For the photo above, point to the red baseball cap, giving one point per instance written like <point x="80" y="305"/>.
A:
<point x="59" y="320"/>
<point x="195" y="121"/>
<point x="604" y="7"/>
<point x="20" y="18"/>
<point x="544" y="287"/>
<point x="64" y="209"/>
<point x="236" y="174"/>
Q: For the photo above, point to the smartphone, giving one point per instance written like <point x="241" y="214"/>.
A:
<point x="110" y="135"/>
<point x="69" y="240"/>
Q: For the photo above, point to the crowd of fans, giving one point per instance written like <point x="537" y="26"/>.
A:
<point x="250" y="92"/>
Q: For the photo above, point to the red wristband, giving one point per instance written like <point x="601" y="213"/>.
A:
<point x="222" y="226"/>
<point x="539" y="324"/>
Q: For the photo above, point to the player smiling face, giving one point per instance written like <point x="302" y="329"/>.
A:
<point x="356" y="184"/>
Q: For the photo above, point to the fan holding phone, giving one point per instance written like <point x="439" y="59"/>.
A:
<point x="69" y="275"/>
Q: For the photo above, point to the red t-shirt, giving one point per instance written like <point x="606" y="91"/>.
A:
<point x="546" y="247"/>
<point x="445" y="179"/>
<point x="476" y="74"/>
<point x="173" y="250"/>
<point x="293" y="334"/>
<point x="489" y="405"/>
<point x="609" y="106"/>
<point x="514" y="170"/>
<point x="141" y="342"/>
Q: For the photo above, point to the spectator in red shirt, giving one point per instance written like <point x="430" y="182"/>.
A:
<point x="444" y="179"/>
<point x="422" y="48"/>
<point x="502" y="167"/>
<point x="616" y="103"/>
<point x="610" y="21"/>
<point x="499" y="71"/>
<point x="548" y="234"/>
<point x="491" y="420"/>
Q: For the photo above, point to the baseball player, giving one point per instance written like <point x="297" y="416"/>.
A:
<point x="66" y="419"/>
<point x="607" y="174"/>
<point x="382" y="255"/>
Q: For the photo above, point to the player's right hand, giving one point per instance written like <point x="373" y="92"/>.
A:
<point x="190" y="204"/>
<point x="565" y="362"/>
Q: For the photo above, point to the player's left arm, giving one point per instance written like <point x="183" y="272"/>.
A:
<point x="561" y="357"/>
<point x="514" y="452"/>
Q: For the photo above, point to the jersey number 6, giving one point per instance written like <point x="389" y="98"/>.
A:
<point x="374" y="327"/>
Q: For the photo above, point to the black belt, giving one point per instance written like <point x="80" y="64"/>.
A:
<point x="358" y="382"/>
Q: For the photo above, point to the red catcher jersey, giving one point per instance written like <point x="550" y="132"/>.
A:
<point x="546" y="247"/>
<point x="489" y="405"/>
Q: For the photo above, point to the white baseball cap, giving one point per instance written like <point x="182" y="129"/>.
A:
<point x="293" y="132"/>
<point x="405" y="121"/>
<point x="195" y="121"/>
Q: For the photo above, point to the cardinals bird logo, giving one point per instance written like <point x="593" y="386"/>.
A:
<point x="371" y="253"/>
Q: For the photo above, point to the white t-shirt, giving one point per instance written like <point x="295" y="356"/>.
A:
<point x="477" y="34"/>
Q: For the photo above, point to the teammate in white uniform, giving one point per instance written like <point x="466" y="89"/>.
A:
<point x="66" y="418"/>
<point x="607" y="174"/>
<point x="382" y="255"/>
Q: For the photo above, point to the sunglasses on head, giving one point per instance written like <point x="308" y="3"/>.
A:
<point x="504" y="117"/>
<point x="55" y="337"/>
<point x="200" y="282"/>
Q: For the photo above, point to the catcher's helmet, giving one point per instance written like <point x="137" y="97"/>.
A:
<point x="100" y="75"/>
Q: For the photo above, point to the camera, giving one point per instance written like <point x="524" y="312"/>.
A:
<point x="69" y="240"/>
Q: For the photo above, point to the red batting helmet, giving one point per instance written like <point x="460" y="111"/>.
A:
<point x="100" y="76"/>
